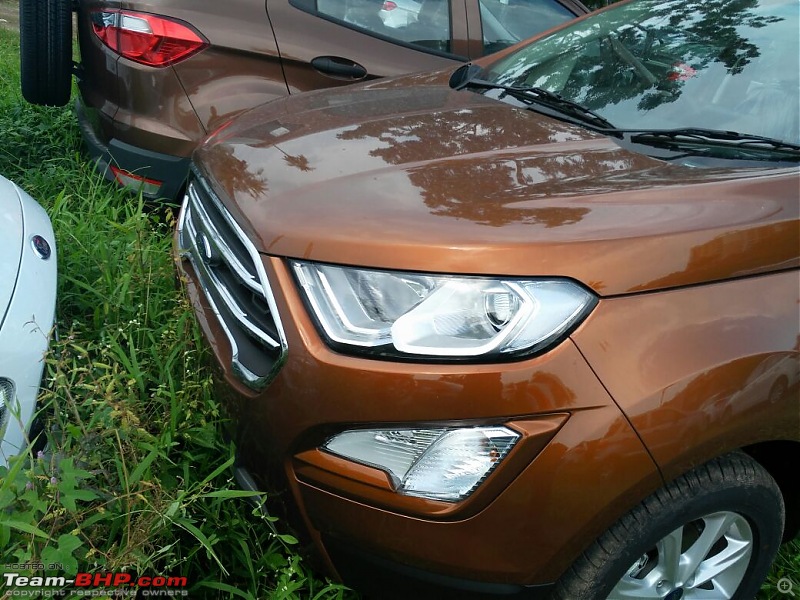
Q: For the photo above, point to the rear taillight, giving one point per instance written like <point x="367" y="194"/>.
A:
<point x="147" y="39"/>
<point x="389" y="5"/>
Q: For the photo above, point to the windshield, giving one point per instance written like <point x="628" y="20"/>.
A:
<point x="650" y="64"/>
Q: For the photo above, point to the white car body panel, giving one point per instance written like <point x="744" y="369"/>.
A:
<point x="11" y="245"/>
<point x="27" y="300"/>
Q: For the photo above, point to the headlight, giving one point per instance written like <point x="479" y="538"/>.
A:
<point x="408" y="314"/>
<point x="441" y="464"/>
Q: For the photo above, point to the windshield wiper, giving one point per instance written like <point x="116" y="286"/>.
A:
<point x="543" y="97"/>
<point x="695" y="140"/>
<point x="699" y="136"/>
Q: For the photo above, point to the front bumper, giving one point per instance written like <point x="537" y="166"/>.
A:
<point x="381" y="578"/>
<point x="578" y="467"/>
<point x="26" y="329"/>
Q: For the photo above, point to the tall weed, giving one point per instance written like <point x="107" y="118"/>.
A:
<point x="137" y="476"/>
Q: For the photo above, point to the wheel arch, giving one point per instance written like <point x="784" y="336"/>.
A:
<point x="734" y="481"/>
<point x="780" y="458"/>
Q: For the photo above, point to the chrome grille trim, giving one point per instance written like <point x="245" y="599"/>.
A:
<point x="214" y="238"/>
<point x="231" y="274"/>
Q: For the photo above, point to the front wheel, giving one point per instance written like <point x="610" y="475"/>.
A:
<point x="45" y="32"/>
<point x="711" y="534"/>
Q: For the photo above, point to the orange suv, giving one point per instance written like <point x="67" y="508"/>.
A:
<point x="527" y="327"/>
<point x="155" y="78"/>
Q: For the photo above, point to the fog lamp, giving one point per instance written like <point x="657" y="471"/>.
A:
<point x="439" y="463"/>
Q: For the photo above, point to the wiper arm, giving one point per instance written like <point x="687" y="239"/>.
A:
<point x="541" y="96"/>
<point x="698" y="135"/>
<point x="693" y="137"/>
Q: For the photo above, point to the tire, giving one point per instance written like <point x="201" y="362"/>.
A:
<point x="728" y="510"/>
<point x="45" y="31"/>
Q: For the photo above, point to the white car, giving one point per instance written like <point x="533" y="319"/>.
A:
<point x="27" y="311"/>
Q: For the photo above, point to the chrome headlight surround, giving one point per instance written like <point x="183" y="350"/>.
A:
<point x="413" y="316"/>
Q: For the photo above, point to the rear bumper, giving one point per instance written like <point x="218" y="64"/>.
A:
<point x="170" y="170"/>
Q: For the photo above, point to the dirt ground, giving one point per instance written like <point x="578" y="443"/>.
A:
<point x="9" y="14"/>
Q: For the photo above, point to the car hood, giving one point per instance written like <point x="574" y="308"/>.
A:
<point x="11" y="232"/>
<point x="409" y="174"/>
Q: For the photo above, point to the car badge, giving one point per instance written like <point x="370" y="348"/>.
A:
<point x="40" y="247"/>
<point x="206" y="251"/>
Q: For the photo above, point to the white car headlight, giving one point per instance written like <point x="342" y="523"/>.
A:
<point x="443" y="316"/>
<point x="440" y="463"/>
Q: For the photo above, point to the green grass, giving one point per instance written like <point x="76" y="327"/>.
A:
<point x="148" y="483"/>
<point x="147" y="486"/>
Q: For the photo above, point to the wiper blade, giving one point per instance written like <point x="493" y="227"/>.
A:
<point x="692" y="139"/>
<point x="541" y="96"/>
<point x="700" y="136"/>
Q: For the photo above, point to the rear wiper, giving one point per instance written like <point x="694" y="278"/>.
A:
<point x="710" y="137"/>
<point x="543" y="97"/>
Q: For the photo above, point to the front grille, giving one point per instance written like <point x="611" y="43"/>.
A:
<point x="231" y="274"/>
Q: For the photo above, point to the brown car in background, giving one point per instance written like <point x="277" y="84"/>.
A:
<point x="156" y="77"/>
<point x="527" y="327"/>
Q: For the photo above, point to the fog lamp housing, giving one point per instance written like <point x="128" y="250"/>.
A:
<point x="446" y="464"/>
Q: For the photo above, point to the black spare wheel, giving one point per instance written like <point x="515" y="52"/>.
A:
<point x="45" y="30"/>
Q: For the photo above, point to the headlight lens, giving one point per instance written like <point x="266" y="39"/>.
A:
<point x="409" y="314"/>
<point x="438" y="463"/>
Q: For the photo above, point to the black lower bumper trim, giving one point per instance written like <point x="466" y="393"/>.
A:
<point x="381" y="579"/>
<point x="248" y="484"/>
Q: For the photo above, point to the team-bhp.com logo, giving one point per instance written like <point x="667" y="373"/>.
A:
<point x="94" y="584"/>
